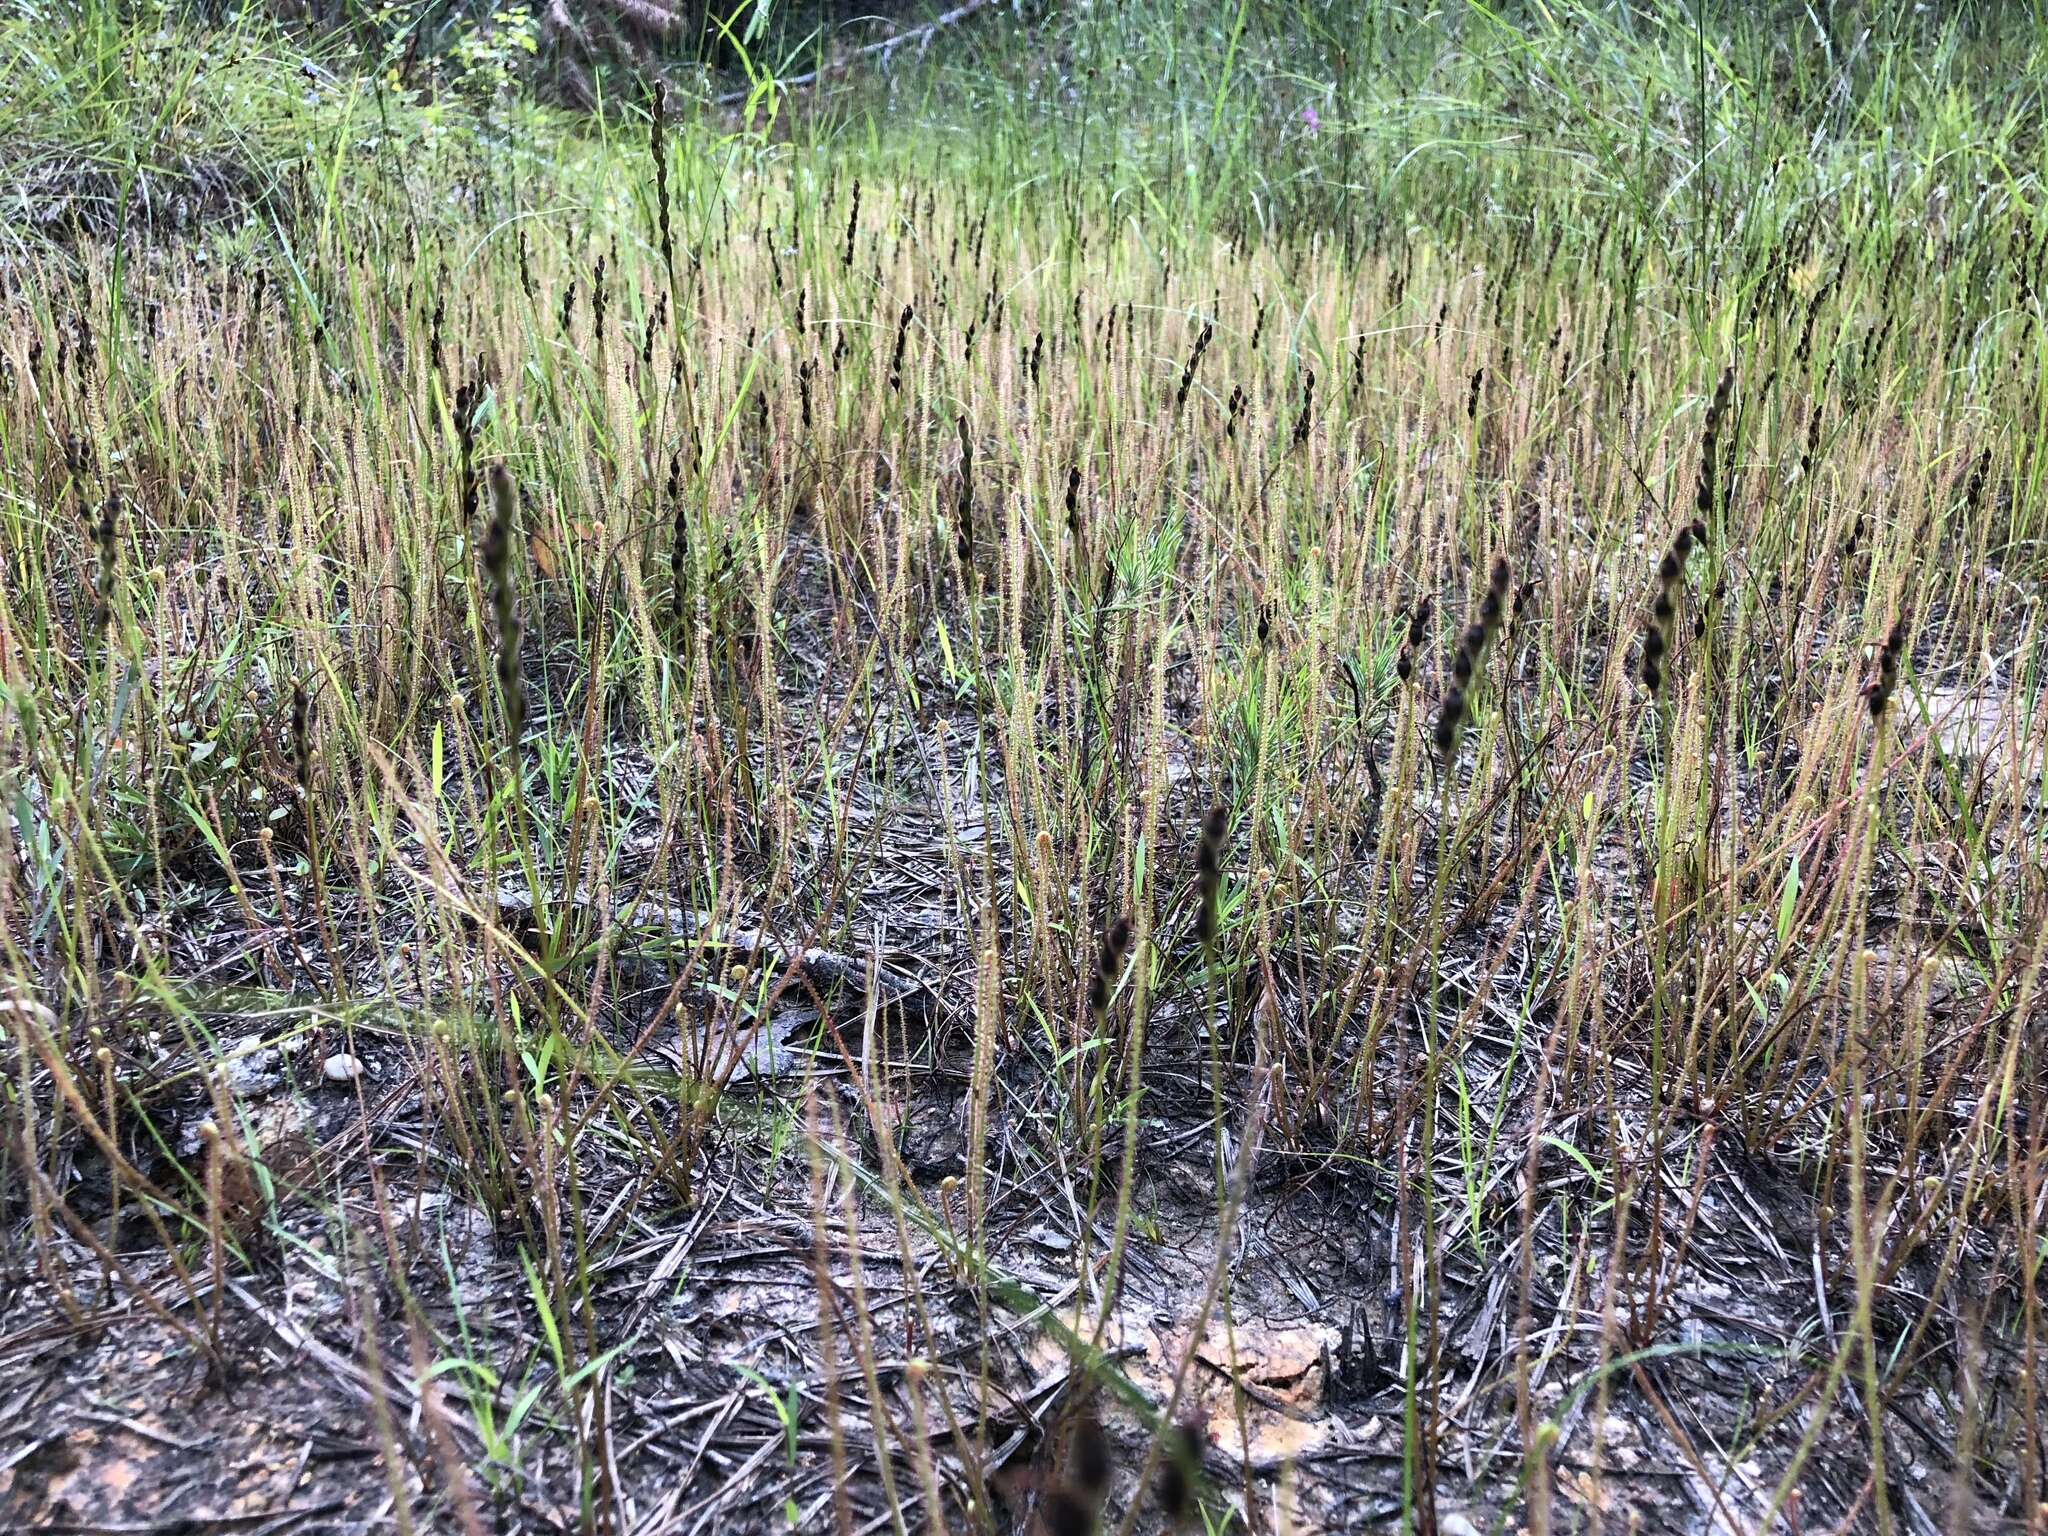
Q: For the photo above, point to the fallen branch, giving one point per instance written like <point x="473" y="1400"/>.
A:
<point x="888" y="45"/>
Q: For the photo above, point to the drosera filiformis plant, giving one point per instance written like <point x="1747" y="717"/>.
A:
<point x="927" y="769"/>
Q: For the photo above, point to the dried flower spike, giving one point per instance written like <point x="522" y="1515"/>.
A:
<point x="302" y="738"/>
<point x="1065" y="1512"/>
<point x="1881" y="687"/>
<point x="1418" y="619"/>
<point x="1109" y="964"/>
<point x="1174" y="1487"/>
<point x="1450" y="719"/>
<point x="497" y="560"/>
<point x="1209" y="874"/>
<point x="1088" y="1457"/>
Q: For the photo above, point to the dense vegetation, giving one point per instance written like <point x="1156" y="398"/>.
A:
<point x="1275" y="767"/>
